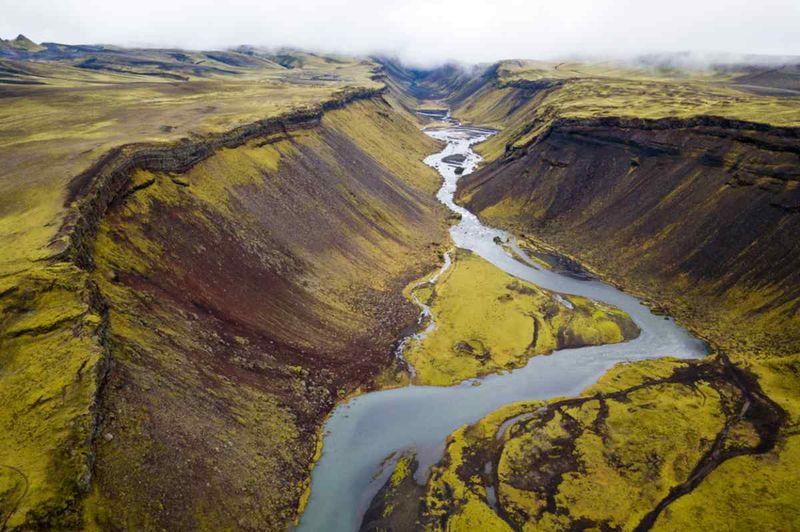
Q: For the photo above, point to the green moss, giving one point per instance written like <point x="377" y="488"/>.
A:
<point x="390" y="138"/>
<point x="604" y="90"/>
<point x="630" y="437"/>
<point x="402" y="470"/>
<point x="749" y="492"/>
<point x="220" y="390"/>
<point x="51" y="331"/>
<point x="59" y="129"/>
<point x="52" y="352"/>
<point x="487" y="320"/>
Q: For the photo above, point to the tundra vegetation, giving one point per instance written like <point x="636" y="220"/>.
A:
<point x="487" y="321"/>
<point x="201" y="253"/>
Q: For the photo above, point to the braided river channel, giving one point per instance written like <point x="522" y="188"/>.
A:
<point x="361" y="433"/>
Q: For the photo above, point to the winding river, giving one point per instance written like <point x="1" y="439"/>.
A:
<point x="361" y="433"/>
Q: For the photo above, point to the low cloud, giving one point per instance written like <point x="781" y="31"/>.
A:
<point x="422" y="32"/>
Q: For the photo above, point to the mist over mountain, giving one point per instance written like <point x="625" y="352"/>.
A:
<point x="422" y="33"/>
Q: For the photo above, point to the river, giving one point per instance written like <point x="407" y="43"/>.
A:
<point x="361" y="433"/>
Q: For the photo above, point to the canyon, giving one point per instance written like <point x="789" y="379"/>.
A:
<point x="212" y="282"/>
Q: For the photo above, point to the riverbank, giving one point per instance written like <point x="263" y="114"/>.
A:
<point x="696" y="215"/>
<point x="363" y="432"/>
<point x="483" y="320"/>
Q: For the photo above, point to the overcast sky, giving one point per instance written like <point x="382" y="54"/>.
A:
<point x="420" y="31"/>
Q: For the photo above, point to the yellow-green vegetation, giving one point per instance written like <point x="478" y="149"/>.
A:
<point x="456" y="501"/>
<point x="748" y="493"/>
<point x="696" y="240"/>
<point x="52" y="358"/>
<point x="246" y="295"/>
<point x="396" y="507"/>
<point x="50" y="345"/>
<point x="402" y="470"/>
<point x="596" y="90"/>
<point x="52" y="131"/>
<point x="633" y="437"/>
<point x="390" y="138"/>
<point x="487" y="320"/>
<point x="757" y="491"/>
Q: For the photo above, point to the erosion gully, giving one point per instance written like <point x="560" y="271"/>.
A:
<point x="361" y="433"/>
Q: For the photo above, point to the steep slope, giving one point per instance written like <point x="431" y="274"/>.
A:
<point x="696" y="213"/>
<point x="522" y="98"/>
<point x="446" y="86"/>
<point x="705" y="207"/>
<point x="246" y="295"/>
<point x="192" y="304"/>
<point x="59" y="118"/>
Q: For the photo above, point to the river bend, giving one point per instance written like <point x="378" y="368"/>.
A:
<point x="361" y="433"/>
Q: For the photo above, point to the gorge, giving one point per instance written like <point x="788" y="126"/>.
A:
<point x="261" y="290"/>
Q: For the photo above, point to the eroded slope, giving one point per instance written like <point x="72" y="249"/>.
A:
<point x="215" y="295"/>
<point x="696" y="213"/>
<point x="246" y="295"/>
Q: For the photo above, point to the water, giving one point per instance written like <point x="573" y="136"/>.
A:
<point x="424" y="316"/>
<point x="361" y="433"/>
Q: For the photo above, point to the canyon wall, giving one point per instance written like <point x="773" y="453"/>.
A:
<point x="215" y="297"/>
<point x="701" y="212"/>
<point x="699" y="216"/>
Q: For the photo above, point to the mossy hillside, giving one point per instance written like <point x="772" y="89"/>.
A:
<point x="246" y="296"/>
<point x="374" y="214"/>
<point x="400" y="97"/>
<point x="590" y="99"/>
<point x="53" y="361"/>
<point x="51" y="132"/>
<point x="376" y="132"/>
<point x="179" y="437"/>
<point x="736" y="283"/>
<point x="710" y="248"/>
<point x="506" y="109"/>
<point x="486" y="321"/>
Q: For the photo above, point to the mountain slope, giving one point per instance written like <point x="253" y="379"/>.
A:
<point x="695" y="213"/>
<point x="192" y="300"/>
<point x="681" y="187"/>
<point x="246" y="296"/>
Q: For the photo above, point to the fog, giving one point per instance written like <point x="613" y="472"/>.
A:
<point x="422" y="32"/>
